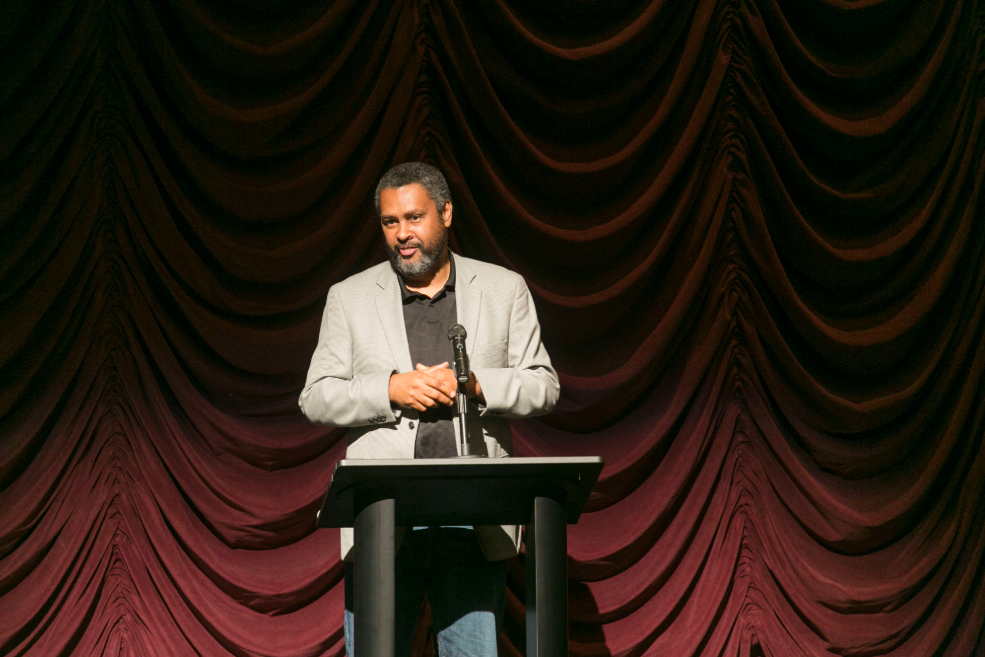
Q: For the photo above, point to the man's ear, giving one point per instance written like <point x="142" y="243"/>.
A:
<point x="446" y="214"/>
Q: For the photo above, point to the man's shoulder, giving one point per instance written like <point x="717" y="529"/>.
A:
<point x="486" y="272"/>
<point x="365" y="281"/>
<point x="480" y="272"/>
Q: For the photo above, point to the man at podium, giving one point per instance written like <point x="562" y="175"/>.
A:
<point x="381" y="368"/>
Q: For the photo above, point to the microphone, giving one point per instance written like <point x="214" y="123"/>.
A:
<point x="457" y="336"/>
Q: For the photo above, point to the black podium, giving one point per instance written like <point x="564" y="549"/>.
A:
<point x="376" y="496"/>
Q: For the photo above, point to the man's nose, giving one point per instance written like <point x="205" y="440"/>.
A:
<point x="403" y="234"/>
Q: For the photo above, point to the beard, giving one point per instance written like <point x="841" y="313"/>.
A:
<point x="429" y="255"/>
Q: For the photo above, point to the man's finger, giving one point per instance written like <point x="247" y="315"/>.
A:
<point x="447" y="385"/>
<point x="433" y="368"/>
<point x="437" y="394"/>
<point x="434" y="391"/>
<point x="448" y="382"/>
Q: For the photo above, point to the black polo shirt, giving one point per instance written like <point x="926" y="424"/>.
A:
<point x="427" y="321"/>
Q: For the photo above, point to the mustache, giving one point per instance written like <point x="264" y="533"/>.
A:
<point x="417" y="244"/>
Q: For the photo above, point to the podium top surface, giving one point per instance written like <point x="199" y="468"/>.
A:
<point x="464" y="491"/>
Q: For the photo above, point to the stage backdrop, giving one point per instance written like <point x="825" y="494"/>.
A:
<point x="754" y="231"/>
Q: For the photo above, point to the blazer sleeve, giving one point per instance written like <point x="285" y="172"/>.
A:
<point x="332" y="394"/>
<point x="529" y="385"/>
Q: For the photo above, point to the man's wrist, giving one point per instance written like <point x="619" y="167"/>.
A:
<point x="473" y="390"/>
<point x="391" y="390"/>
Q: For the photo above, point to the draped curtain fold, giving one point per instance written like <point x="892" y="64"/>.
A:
<point x="753" y="229"/>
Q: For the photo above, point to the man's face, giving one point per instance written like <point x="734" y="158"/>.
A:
<point x="416" y="234"/>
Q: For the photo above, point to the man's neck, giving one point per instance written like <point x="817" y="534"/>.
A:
<point x="431" y="283"/>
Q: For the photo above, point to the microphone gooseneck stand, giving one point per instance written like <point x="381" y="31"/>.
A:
<point x="457" y="336"/>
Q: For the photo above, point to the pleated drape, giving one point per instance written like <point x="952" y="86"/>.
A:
<point x="753" y="229"/>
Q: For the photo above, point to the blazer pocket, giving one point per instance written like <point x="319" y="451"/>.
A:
<point x="491" y="354"/>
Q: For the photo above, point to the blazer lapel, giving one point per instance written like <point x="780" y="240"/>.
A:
<point x="468" y="300"/>
<point x="390" y="308"/>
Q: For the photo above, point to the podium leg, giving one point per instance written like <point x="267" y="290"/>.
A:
<point x="373" y="574"/>
<point x="547" y="580"/>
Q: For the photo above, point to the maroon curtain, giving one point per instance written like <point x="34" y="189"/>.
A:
<point x="754" y="230"/>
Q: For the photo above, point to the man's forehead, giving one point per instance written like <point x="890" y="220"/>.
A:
<point x="409" y="188"/>
<point x="410" y="194"/>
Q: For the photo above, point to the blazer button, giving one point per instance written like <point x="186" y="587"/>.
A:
<point x="410" y="424"/>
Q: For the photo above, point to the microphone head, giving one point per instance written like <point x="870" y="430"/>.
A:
<point x="456" y="331"/>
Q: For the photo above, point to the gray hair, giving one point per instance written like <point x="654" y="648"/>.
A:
<point x="425" y="175"/>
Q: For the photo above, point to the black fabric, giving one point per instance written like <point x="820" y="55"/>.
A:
<point x="427" y="320"/>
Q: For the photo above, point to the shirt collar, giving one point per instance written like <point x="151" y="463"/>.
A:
<point x="406" y="294"/>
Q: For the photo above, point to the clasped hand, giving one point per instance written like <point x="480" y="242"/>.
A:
<point x="427" y="387"/>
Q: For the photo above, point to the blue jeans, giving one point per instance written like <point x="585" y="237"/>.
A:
<point x="466" y="591"/>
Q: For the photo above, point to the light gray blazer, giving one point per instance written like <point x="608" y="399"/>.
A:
<point x="363" y="341"/>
